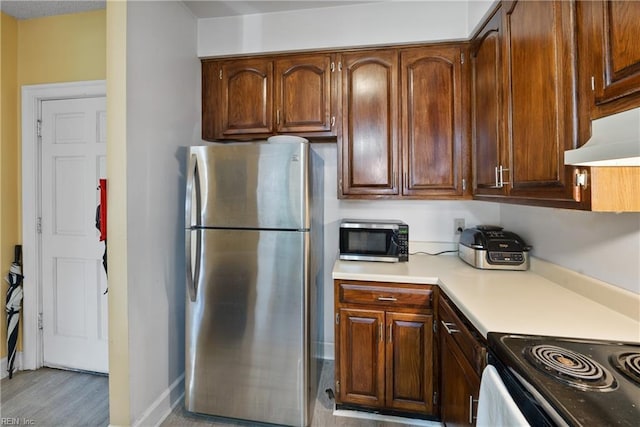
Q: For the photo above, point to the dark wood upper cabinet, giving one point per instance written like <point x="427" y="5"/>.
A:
<point x="489" y="148"/>
<point x="541" y="102"/>
<point x="246" y="95"/>
<point x="368" y="163"/>
<point x="253" y="98"/>
<point x="525" y="119"/>
<point x="609" y="43"/>
<point x="433" y="126"/>
<point x="304" y="98"/>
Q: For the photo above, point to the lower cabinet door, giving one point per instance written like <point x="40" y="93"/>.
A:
<point x="361" y="369"/>
<point x="409" y="360"/>
<point x="460" y="385"/>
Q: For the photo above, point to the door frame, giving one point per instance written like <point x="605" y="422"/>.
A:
<point x="32" y="98"/>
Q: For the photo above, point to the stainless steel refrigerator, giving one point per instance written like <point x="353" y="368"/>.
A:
<point x="254" y="271"/>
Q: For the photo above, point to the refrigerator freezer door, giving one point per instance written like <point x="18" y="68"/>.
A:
<point x="249" y="185"/>
<point x="247" y="351"/>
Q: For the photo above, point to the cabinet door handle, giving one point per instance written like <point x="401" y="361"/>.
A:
<point x="390" y="332"/>
<point x="471" y="402"/>
<point x="387" y="299"/>
<point x="381" y="332"/>
<point x="450" y="327"/>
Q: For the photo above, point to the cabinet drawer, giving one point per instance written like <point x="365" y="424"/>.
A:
<point x="405" y="295"/>
<point x="463" y="335"/>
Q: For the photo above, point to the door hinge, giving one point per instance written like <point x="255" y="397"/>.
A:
<point x="337" y="318"/>
<point x="39" y="225"/>
<point x="580" y="183"/>
<point x="581" y="178"/>
<point x="220" y="74"/>
<point x="337" y="386"/>
<point x="40" y="321"/>
<point x="39" y="128"/>
<point x="435" y="397"/>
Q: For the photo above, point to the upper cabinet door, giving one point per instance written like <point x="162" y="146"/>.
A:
<point x="368" y="161"/>
<point x="617" y="27"/>
<point x="303" y="93"/>
<point x="540" y="49"/>
<point x="488" y="127"/>
<point x="609" y="32"/>
<point x="246" y="96"/>
<point x="432" y="121"/>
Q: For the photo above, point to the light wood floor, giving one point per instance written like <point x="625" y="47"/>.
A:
<point x="322" y="414"/>
<point x="53" y="397"/>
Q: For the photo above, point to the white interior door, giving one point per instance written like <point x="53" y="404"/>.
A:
<point x="74" y="306"/>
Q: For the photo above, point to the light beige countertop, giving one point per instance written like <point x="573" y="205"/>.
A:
<point x="546" y="300"/>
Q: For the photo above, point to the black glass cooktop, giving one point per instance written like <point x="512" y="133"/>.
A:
<point x="574" y="381"/>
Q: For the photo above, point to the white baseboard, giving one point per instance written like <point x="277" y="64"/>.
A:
<point x="326" y="350"/>
<point x="379" y="418"/>
<point x="164" y="404"/>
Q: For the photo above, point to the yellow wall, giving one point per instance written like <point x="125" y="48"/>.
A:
<point x="53" y="49"/>
<point x="62" y="48"/>
<point x="9" y="158"/>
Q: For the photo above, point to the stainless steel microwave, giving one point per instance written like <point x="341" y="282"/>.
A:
<point x="374" y="240"/>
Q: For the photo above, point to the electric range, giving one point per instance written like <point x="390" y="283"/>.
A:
<point x="565" y="381"/>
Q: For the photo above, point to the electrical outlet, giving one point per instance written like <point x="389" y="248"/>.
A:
<point x="458" y="225"/>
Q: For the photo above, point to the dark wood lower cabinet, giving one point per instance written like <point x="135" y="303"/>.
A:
<point x="409" y="355"/>
<point x="462" y="359"/>
<point x="361" y="357"/>
<point x="385" y="347"/>
<point x="460" y="385"/>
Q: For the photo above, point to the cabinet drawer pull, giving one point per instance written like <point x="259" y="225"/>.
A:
<point x="450" y="327"/>
<point x="387" y="299"/>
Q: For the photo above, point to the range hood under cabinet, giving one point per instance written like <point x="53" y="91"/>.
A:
<point x="613" y="153"/>
<point x="615" y="141"/>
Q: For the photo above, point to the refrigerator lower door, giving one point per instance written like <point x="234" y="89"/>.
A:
<point x="246" y="338"/>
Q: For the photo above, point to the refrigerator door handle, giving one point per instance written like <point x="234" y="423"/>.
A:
<point x="191" y="253"/>
<point x="193" y="192"/>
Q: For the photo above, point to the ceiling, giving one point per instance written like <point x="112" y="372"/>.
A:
<point x="28" y="9"/>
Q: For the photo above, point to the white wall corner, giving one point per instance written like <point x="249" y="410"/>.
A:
<point x="326" y="350"/>
<point x="163" y="405"/>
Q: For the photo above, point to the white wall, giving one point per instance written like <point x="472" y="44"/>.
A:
<point x="430" y="221"/>
<point x="605" y="246"/>
<point x="357" y="25"/>
<point x="342" y="26"/>
<point x="477" y="9"/>
<point x="551" y="231"/>
<point x="163" y="117"/>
